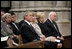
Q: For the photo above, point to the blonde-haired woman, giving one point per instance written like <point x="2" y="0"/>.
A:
<point x="41" y="17"/>
<point x="37" y="28"/>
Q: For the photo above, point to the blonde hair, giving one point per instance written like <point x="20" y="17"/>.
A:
<point x="34" y="14"/>
<point x="40" y="14"/>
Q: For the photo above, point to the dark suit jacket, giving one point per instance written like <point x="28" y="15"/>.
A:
<point x="52" y="29"/>
<point x="15" y="30"/>
<point x="28" y="34"/>
<point x="44" y="29"/>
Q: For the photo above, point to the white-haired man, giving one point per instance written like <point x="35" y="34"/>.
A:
<point x="53" y="28"/>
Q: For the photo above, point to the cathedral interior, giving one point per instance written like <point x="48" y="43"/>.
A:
<point x="62" y="8"/>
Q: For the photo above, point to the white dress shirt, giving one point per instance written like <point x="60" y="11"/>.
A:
<point x="50" y="20"/>
<point x="27" y="22"/>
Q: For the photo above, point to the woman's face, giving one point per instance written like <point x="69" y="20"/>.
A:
<point x="34" y="18"/>
<point x="42" y="19"/>
<point x="8" y="19"/>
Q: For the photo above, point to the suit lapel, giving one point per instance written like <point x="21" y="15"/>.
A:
<point x="51" y="24"/>
<point x="27" y="24"/>
<point x="56" y="26"/>
<point x="30" y="27"/>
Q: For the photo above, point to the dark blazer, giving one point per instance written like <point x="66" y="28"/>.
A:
<point x="15" y="30"/>
<point x="52" y="29"/>
<point x="28" y="34"/>
<point x="44" y="29"/>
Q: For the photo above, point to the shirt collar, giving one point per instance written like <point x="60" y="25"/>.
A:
<point x="27" y="22"/>
<point x="50" y="20"/>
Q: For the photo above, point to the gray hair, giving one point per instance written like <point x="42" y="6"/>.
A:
<point x="51" y="13"/>
<point x="26" y="13"/>
<point x="5" y="15"/>
<point x="40" y="14"/>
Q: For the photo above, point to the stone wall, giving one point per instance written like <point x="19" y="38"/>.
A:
<point x="63" y="9"/>
<point x="5" y="3"/>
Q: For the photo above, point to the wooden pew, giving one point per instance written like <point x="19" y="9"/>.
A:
<point x="67" y="41"/>
<point x="36" y="44"/>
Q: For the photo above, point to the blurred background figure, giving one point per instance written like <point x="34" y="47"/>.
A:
<point x="6" y="30"/>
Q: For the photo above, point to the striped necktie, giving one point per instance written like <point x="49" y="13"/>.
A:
<point x="15" y="26"/>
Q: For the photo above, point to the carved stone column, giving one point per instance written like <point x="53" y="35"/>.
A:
<point x="61" y="3"/>
<point x="68" y="3"/>
<point x="23" y="4"/>
<point x="15" y="4"/>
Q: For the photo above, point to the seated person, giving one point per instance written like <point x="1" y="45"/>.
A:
<point x="15" y="27"/>
<point x="50" y="22"/>
<point x="37" y="28"/>
<point x="6" y="30"/>
<point x="27" y="31"/>
<point x="52" y="25"/>
<point x="14" y="24"/>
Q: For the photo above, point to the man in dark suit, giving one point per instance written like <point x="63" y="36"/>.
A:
<point x="14" y="24"/>
<point x="15" y="28"/>
<point x="53" y="28"/>
<point x="27" y="31"/>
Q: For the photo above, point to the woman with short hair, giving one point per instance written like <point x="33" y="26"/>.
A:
<point x="36" y="27"/>
<point x="6" y="29"/>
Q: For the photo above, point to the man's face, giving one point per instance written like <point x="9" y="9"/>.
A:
<point x="29" y="16"/>
<point x="53" y="17"/>
<point x="13" y="18"/>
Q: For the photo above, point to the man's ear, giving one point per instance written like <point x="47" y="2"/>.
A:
<point x="25" y="17"/>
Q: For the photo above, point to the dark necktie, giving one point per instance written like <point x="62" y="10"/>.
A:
<point x="55" y="28"/>
<point x="31" y="26"/>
